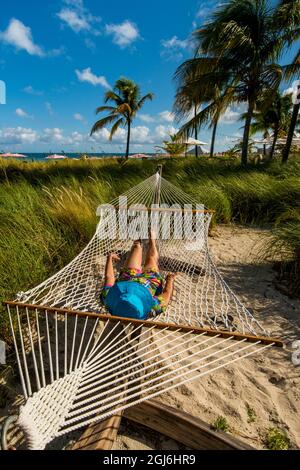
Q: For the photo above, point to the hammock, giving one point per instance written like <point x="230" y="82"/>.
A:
<point x="78" y="365"/>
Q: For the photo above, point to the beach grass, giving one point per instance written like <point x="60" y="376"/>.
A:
<point x="48" y="210"/>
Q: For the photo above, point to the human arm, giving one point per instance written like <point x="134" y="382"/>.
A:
<point x="168" y="290"/>
<point x="109" y="269"/>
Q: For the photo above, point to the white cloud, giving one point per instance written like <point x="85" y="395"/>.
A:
<point x="49" y="136"/>
<point x="146" y="117"/>
<point x="139" y="135"/>
<point x="163" y="132"/>
<point x="20" y="36"/>
<point x="203" y="12"/>
<point x="54" y="135"/>
<point x="87" y="75"/>
<point x="124" y="33"/>
<point x="288" y="91"/>
<point x="21" y="113"/>
<point x="49" y="108"/>
<point x="31" y="91"/>
<point x="17" y="136"/>
<point x="232" y="114"/>
<point x="78" y="18"/>
<point x="175" y="42"/>
<point x="73" y="20"/>
<point x="167" y="116"/>
<point x="78" y="117"/>
<point x="174" y="47"/>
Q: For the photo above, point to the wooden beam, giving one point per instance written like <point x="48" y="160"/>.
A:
<point x="182" y="427"/>
<point x="100" y="436"/>
<point x="166" y="209"/>
<point x="149" y="323"/>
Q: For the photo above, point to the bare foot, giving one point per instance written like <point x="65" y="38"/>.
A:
<point x="114" y="257"/>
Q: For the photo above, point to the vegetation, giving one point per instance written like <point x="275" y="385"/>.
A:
<point x="173" y="147"/>
<point x="47" y="210"/>
<point x="251" y="414"/>
<point x="237" y="60"/>
<point x="127" y="100"/>
<point x="275" y="117"/>
<point x="221" y="424"/>
<point x="276" y="439"/>
<point x="284" y="246"/>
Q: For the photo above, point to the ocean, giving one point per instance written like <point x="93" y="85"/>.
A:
<point x="42" y="156"/>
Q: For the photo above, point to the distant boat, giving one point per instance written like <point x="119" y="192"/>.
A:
<point x="57" y="157"/>
<point x="12" y="155"/>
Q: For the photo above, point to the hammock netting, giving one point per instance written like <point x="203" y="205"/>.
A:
<point x="78" y="365"/>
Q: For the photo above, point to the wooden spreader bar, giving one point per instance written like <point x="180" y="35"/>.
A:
<point x="166" y="209"/>
<point x="149" y="323"/>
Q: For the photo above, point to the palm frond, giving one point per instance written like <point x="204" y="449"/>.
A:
<point x="115" y="127"/>
<point x="142" y="101"/>
<point x="103" y="122"/>
<point x="111" y="109"/>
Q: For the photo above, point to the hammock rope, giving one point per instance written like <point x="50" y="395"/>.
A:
<point x="78" y="365"/>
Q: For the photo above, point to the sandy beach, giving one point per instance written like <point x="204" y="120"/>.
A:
<point x="269" y="383"/>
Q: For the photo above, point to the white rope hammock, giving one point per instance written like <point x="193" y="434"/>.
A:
<point x="78" y="368"/>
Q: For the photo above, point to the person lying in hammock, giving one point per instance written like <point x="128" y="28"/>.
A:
<point x="138" y="292"/>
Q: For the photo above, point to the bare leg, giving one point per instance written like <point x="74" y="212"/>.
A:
<point x="135" y="257"/>
<point x="152" y="255"/>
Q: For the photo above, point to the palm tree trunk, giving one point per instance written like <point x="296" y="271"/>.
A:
<point x="196" y="133"/>
<point x="213" y="138"/>
<point x="247" y="131"/>
<point x="128" y="139"/>
<point x="275" y="137"/>
<point x="287" y="147"/>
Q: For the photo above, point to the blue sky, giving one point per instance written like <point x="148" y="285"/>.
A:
<point x="59" y="57"/>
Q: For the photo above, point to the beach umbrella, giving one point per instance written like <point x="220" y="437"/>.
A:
<point x="191" y="141"/>
<point x="12" y="155"/>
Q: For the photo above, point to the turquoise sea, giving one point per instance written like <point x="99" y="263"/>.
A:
<point x="42" y="156"/>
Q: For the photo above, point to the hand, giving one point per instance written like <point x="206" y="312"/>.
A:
<point x="171" y="277"/>
<point x="114" y="257"/>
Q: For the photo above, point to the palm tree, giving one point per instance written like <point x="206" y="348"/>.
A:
<point x="127" y="100"/>
<point x="293" y="70"/>
<point x="173" y="147"/>
<point x="287" y="18"/>
<point x="238" y="48"/>
<point x="242" y="34"/>
<point x="275" y="116"/>
<point x="199" y="86"/>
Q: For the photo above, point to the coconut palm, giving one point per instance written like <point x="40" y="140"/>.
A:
<point x="293" y="71"/>
<point x="198" y="84"/>
<point x="239" y="48"/>
<point x="274" y="116"/>
<point x="173" y="147"/>
<point x="287" y="18"/>
<point x="127" y="100"/>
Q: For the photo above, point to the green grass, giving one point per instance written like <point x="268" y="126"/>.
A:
<point x="47" y="210"/>
<point x="221" y="424"/>
<point x="276" y="439"/>
<point x="251" y="414"/>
